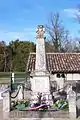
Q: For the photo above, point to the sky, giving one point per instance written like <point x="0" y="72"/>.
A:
<point x="19" y="18"/>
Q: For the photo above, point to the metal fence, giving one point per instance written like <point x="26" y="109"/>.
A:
<point x="19" y="78"/>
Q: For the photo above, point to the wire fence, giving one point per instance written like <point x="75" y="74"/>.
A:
<point x="5" y="77"/>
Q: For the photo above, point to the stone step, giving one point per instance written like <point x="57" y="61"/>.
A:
<point x="39" y="114"/>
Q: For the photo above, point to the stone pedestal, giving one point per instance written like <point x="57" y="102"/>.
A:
<point x="6" y="102"/>
<point x="41" y="84"/>
<point x="72" y="104"/>
<point x="1" y="109"/>
<point x="60" y="83"/>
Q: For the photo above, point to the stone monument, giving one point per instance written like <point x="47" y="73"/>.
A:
<point x="40" y="50"/>
<point x="40" y="82"/>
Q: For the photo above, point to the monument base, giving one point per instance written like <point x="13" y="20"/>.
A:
<point x="40" y="84"/>
<point x="46" y="98"/>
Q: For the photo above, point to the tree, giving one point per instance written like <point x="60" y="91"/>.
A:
<point x="49" y="47"/>
<point x="13" y="57"/>
<point x="19" y="52"/>
<point x="77" y="39"/>
<point x="56" y="32"/>
<point x="3" y="56"/>
<point x="76" y="44"/>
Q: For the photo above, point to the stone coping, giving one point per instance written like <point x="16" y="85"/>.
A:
<point x="39" y="114"/>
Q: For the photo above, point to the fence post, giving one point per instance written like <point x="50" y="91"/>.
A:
<point x="12" y="76"/>
<point x="6" y="102"/>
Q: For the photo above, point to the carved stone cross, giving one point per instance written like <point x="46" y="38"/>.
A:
<point x="40" y="31"/>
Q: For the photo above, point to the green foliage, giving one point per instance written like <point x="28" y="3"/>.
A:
<point x="61" y="104"/>
<point x="13" y="57"/>
<point x="2" y="55"/>
<point x="21" y="50"/>
<point x="20" y="107"/>
<point x="21" y="104"/>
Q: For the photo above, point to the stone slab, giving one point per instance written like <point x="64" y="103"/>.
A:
<point x="40" y="84"/>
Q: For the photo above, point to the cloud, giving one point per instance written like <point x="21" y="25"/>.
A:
<point x="25" y="34"/>
<point x="72" y="12"/>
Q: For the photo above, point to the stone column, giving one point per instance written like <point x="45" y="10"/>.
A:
<point x="40" y="50"/>
<point x="6" y="102"/>
<point x="72" y="103"/>
<point x="1" y="109"/>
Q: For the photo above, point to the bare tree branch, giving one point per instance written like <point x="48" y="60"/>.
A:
<point x="56" y="31"/>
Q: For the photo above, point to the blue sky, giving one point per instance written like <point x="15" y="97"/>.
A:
<point x="19" y="18"/>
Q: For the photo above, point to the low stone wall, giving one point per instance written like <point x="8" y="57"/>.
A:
<point x="1" y="109"/>
<point x="39" y="114"/>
